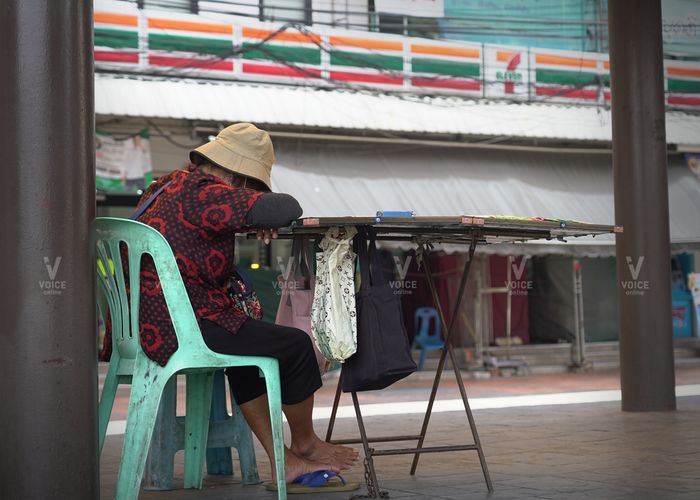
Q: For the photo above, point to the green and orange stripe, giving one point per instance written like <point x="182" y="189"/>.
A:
<point x="686" y="82"/>
<point x="456" y="68"/>
<point x="284" y="54"/>
<point x="116" y="37"/>
<point x="567" y="77"/>
<point x="376" y="58"/>
<point x="169" y="35"/>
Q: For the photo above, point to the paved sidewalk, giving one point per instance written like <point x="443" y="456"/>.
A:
<point x="563" y="451"/>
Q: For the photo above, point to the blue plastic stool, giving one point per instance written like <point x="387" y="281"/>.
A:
<point x="429" y="339"/>
<point x="225" y="431"/>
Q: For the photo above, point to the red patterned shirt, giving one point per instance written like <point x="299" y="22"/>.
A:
<point x="199" y="215"/>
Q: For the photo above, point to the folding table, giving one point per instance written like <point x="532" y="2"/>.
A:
<point x="424" y="232"/>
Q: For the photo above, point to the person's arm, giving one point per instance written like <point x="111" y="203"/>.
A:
<point x="272" y="210"/>
<point x="216" y="207"/>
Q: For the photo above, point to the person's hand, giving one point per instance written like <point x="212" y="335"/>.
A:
<point x="266" y="235"/>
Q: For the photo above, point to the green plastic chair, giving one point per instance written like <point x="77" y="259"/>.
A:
<point x="129" y="364"/>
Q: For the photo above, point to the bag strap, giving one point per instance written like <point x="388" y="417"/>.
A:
<point x="360" y="249"/>
<point x="245" y="278"/>
<point x="296" y="243"/>
<point x="377" y="270"/>
<point x="307" y="255"/>
<point x="144" y="206"/>
<point x="301" y="257"/>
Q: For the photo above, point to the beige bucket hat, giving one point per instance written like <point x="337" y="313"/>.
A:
<point x="241" y="148"/>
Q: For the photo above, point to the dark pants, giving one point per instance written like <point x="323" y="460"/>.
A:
<point x="292" y="347"/>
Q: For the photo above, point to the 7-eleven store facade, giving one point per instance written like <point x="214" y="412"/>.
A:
<point x="364" y="122"/>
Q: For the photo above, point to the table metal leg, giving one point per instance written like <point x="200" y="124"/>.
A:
<point x="334" y="411"/>
<point x="373" y="490"/>
<point x="370" y="472"/>
<point x="472" y="423"/>
<point x="448" y="350"/>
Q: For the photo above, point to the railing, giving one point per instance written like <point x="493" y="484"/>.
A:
<point x="131" y="40"/>
<point x="590" y="29"/>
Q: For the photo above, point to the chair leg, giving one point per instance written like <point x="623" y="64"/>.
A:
<point x="274" y="396"/>
<point x="109" y="392"/>
<point x="146" y="391"/>
<point x="244" y="445"/>
<point x="158" y="474"/>
<point x="219" y="461"/>
<point x="423" y="355"/>
<point x="199" y="393"/>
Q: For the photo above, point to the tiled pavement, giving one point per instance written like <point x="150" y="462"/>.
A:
<point x="572" y="451"/>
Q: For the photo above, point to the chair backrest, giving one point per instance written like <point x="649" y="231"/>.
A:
<point x="108" y="236"/>
<point x="423" y="317"/>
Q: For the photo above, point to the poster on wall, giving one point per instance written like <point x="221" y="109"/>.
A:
<point x="693" y="162"/>
<point x="123" y="164"/>
<point x="416" y="8"/>
<point x="694" y="286"/>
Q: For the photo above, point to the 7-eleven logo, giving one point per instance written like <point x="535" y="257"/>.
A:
<point x="510" y="75"/>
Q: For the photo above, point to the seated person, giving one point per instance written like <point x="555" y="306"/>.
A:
<point x="225" y="190"/>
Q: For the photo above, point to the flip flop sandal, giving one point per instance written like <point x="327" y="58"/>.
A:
<point x="320" y="481"/>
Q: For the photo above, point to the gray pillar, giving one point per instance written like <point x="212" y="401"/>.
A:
<point x="641" y="206"/>
<point x="48" y="386"/>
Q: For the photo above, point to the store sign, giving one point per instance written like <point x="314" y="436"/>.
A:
<point x="416" y="8"/>
<point x="123" y="164"/>
<point x="506" y="72"/>
<point x="694" y="286"/>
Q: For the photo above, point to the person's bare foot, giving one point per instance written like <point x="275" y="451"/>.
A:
<point x="295" y="466"/>
<point x="342" y="457"/>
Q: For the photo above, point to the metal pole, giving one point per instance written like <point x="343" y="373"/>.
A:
<point x="641" y="206"/>
<point x="581" y="315"/>
<point x="478" y="326"/>
<point x="578" y="347"/>
<point x="509" y="305"/>
<point x="48" y="353"/>
<point x="575" y="354"/>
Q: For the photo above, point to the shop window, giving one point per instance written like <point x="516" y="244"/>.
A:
<point x="286" y="10"/>
<point x="424" y="27"/>
<point x="348" y="14"/>
<point x="176" y="5"/>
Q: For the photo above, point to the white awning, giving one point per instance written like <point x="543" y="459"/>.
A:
<point x="335" y="179"/>
<point x="227" y="102"/>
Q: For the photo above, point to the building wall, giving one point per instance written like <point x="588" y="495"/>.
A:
<point x="352" y="14"/>
<point x="528" y="23"/>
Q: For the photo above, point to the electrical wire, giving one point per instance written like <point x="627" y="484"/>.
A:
<point x="261" y="46"/>
<point x="169" y="139"/>
<point x="185" y="71"/>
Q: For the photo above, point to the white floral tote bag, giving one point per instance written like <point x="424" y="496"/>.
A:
<point x="333" y="315"/>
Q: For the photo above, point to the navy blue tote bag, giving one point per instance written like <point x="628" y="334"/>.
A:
<point x="383" y="353"/>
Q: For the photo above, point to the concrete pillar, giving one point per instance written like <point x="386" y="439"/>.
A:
<point x="641" y="205"/>
<point x="48" y="386"/>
